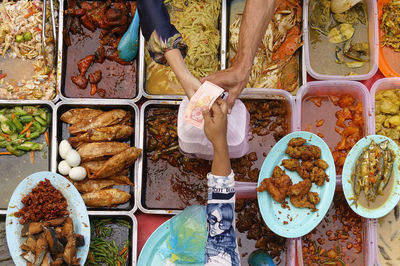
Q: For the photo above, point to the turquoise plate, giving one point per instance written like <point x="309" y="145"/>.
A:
<point x="76" y="207"/>
<point x="149" y="256"/>
<point x="295" y="222"/>
<point x="351" y="159"/>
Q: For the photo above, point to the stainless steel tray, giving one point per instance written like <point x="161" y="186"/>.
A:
<point x="62" y="133"/>
<point x="142" y="64"/>
<point x="15" y="169"/>
<point x="62" y="63"/>
<point x="132" y="235"/>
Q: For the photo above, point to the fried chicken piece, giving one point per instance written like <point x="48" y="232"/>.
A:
<point x="118" y="162"/>
<point x="77" y="115"/>
<point x="85" y="63"/>
<point x="318" y="176"/>
<point x="80" y="81"/>
<point x="303" y="173"/>
<point x="106" y="197"/>
<point x="276" y="187"/>
<point x="103" y="120"/>
<point x="95" y="77"/>
<point x="116" y="132"/>
<point x="300" y="188"/>
<point x="297" y="142"/>
<point x="100" y="150"/>
<point x="308" y="165"/>
<point x="321" y="164"/>
<point x="100" y="55"/>
<point x="291" y="164"/>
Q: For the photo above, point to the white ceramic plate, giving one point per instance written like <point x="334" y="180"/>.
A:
<point x="76" y="208"/>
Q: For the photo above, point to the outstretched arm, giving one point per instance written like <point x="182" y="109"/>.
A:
<point x="256" y="17"/>
<point x="165" y="43"/>
<point x="221" y="246"/>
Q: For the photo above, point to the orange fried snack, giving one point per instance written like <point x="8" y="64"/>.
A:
<point x="277" y="186"/>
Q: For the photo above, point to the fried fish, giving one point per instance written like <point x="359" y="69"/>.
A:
<point x="118" y="162"/>
<point x="106" y="197"/>
<point x="105" y="119"/>
<point x="91" y="185"/>
<point x="94" y="166"/>
<point x="100" y="150"/>
<point x="115" y="132"/>
<point x="78" y="115"/>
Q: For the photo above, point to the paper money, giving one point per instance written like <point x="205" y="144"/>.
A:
<point x="205" y="96"/>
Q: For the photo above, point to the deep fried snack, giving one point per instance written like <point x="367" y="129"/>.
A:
<point x="294" y="152"/>
<point x="91" y="185"/>
<point x="116" y="132"/>
<point x="301" y="201"/>
<point x="308" y="165"/>
<point x="318" y="176"/>
<point x="106" y="197"/>
<point x="77" y="115"/>
<point x="278" y="172"/>
<point x="100" y="150"/>
<point x="315" y="150"/>
<point x="300" y="188"/>
<point x="118" y="162"/>
<point x="105" y="119"/>
<point x="297" y="142"/>
<point x="302" y="171"/>
<point x="291" y="164"/>
<point x="313" y="197"/>
<point x="321" y="164"/>
<point x="276" y="187"/>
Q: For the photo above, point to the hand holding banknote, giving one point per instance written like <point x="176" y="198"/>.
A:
<point x="204" y="97"/>
<point x="215" y="122"/>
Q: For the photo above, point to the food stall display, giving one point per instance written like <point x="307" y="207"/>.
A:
<point x="76" y="109"/>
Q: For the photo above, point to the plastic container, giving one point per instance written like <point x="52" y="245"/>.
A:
<point x="194" y="143"/>
<point x="389" y="60"/>
<point x="326" y="88"/>
<point x="369" y="241"/>
<point x="373" y="41"/>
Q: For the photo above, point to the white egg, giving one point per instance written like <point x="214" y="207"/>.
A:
<point x="63" y="167"/>
<point x="73" y="158"/>
<point x="64" y="148"/>
<point x="77" y="173"/>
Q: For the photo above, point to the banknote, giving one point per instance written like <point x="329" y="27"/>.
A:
<point x="205" y="96"/>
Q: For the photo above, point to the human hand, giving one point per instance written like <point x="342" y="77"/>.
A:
<point x="233" y="80"/>
<point x="215" y="123"/>
<point x="190" y="85"/>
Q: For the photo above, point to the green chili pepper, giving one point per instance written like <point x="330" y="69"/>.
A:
<point x="26" y="119"/>
<point x="40" y="120"/>
<point x="18" y="111"/>
<point x="18" y="124"/>
<point x="34" y="135"/>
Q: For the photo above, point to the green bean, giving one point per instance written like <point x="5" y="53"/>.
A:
<point x="124" y="222"/>
<point x="30" y="146"/>
<point x="14" y="150"/>
<point x="36" y="126"/>
<point x="34" y="135"/>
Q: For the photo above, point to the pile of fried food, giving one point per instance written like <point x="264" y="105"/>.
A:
<point x="51" y="239"/>
<point x="113" y="19"/>
<point x="341" y="29"/>
<point x="105" y="158"/>
<point x="390" y="25"/>
<point x="311" y="169"/>
<point x="372" y="170"/>
<point x="276" y="62"/>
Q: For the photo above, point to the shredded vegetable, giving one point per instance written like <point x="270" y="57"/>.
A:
<point x="197" y="21"/>
<point x="20" y="37"/>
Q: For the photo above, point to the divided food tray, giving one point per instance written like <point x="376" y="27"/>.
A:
<point x="15" y="169"/>
<point x="373" y="40"/>
<point x="62" y="133"/>
<point x="223" y="57"/>
<point x="124" y="234"/>
<point x="64" y="63"/>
